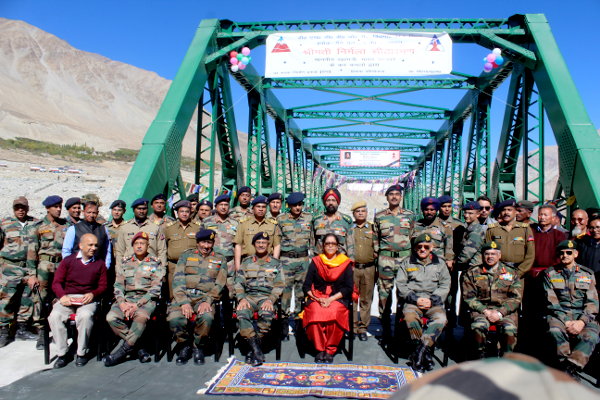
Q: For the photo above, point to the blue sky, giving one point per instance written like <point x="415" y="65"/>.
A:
<point x="155" y="34"/>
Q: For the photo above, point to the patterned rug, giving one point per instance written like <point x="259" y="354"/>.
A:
<point x="288" y="379"/>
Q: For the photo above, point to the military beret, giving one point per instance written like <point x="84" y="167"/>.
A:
<point x="205" y="234"/>
<point x="260" y="235"/>
<point x="430" y="201"/>
<point x="193" y="197"/>
<point x="139" y="202"/>
<point x="358" y="204"/>
<point x="140" y="234"/>
<point x="422" y="238"/>
<point x="205" y="202"/>
<point x="244" y="189"/>
<point x="159" y="196"/>
<point x="52" y="201"/>
<point x="567" y="245"/>
<point x="506" y="203"/>
<point x="491" y="246"/>
<point x="397" y="187"/>
<point x="21" y="201"/>
<point x="472" y="205"/>
<point x="118" y="203"/>
<point x="182" y="203"/>
<point x="445" y="199"/>
<point x="274" y="196"/>
<point x="295" y="198"/>
<point x="332" y="192"/>
<point x="72" y="201"/>
<point x="259" y="200"/>
<point x="526" y="204"/>
<point x="222" y="198"/>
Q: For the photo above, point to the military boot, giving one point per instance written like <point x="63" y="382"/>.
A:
<point x="198" y="356"/>
<point x="118" y="356"/>
<point x="4" y="337"/>
<point x="427" y="363"/>
<point x="23" y="333"/>
<point x="572" y="370"/>
<point x="258" y="356"/>
<point x="285" y="329"/>
<point x="184" y="355"/>
<point x="39" y="345"/>
<point x="416" y="359"/>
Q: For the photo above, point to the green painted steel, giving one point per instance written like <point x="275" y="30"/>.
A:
<point x="368" y="135"/>
<point x="362" y="83"/>
<point x="380" y="115"/>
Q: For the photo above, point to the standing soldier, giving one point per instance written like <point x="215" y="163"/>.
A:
<point x="137" y="286"/>
<point x="200" y="276"/>
<point x="524" y="210"/>
<point x="243" y="209"/>
<point x="252" y="224"/>
<point x="141" y="223"/>
<point x="275" y="202"/>
<point x="193" y="199"/>
<point x="440" y="233"/>
<point x="296" y="242"/>
<point x="159" y="206"/>
<point x="258" y="285"/>
<point x="473" y="239"/>
<point x="393" y="229"/>
<point x="117" y="209"/>
<point x="572" y="302"/>
<point x="457" y="227"/>
<point x="334" y="222"/>
<point x="18" y="280"/>
<point x="492" y="291"/>
<point x="44" y="253"/>
<point x="73" y="207"/>
<point x="205" y="208"/>
<point x="180" y="235"/>
<point x="422" y="285"/>
<point x="515" y="238"/>
<point x="364" y="266"/>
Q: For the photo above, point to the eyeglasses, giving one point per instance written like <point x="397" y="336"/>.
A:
<point x="330" y="244"/>
<point x="423" y="246"/>
<point x="578" y="219"/>
<point x="597" y="227"/>
<point x="566" y="252"/>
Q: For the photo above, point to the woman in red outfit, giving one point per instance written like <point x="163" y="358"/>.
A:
<point x="328" y="287"/>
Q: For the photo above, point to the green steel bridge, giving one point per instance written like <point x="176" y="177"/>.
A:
<point x="453" y="157"/>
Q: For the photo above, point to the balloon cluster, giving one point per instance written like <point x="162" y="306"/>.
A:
<point x="493" y="60"/>
<point x="239" y="60"/>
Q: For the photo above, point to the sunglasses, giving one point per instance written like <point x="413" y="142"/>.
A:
<point x="486" y="208"/>
<point x="566" y="252"/>
<point x="423" y="246"/>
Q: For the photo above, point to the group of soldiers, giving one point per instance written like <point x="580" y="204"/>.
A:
<point x="257" y="255"/>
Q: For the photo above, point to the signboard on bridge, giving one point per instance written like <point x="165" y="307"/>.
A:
<point x="369" y="158"/>
<point x="357" y="53"/>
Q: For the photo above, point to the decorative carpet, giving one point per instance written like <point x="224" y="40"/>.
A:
<point x="288" y="379"/>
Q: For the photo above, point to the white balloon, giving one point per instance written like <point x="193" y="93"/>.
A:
<point x="235" y="68"/>
<point x="497" y="51"/>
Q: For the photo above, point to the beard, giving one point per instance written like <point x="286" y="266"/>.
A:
<point x="331" y="209"/>
<point x="576" y="231"/>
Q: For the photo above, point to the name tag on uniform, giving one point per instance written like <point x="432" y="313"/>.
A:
<point x="45" y="231"/>
<point x="192" y="259"/>
<point x="496" y="237"/>
<point x="557" y="280"/>
<point x="411" y="269"/>
<point x="478" y="278"/>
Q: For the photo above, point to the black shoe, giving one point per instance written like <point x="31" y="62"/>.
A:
<point x="417" y="358"/>
<point x="255" y="346"/>
<point x="362" y="336"/>
<point x="5" y="338"/>
<point x="23" y="333"/>
<point x="428" y="359"/>
<point x="285" y="329"/>
<point x="320" y="358"/>
<point x="61" y="362"/>
<point x="184" y="355"/>
<point x="144" y="356"/>
<point x="249" y="357"/>
<point x="39" y="345"/>
<point x="80" y="361"/>
<point x="572" y="370"/>
<point x="198" y="356"/>
<point x="118" y="356"/>
<point x="328" y="358"/>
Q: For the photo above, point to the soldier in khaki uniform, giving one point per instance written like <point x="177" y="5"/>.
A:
<point x="243" y="209"/>
<point x="275" y="201"/>
<point x="205" y="209"/>
<point x="180" y="235"/>
<point x="515" y="238"/>
<point x="250" y="226"/>
<point x="364" y="266"/>
<point x="199" y="279"/>
<point x="159" y="206"/>
<point x="333" y="221"/>
<point x="194" y="200"/>
<point x="141" y="223"/>
<point x="117" y="209"/>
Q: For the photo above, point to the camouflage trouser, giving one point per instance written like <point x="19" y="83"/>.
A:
<point x="45" y="275"/>
<point x="265" y="318"/>
<point x="506" y="331"/>
<point x="180" y="325"/>
<point x="294" y="272"/>
<point x="387" y="269"/>
<point x="119" y="325"/>
<point x="436" y="322"/>
<point x="15" y="295"/>
<point x="586" y="341"/>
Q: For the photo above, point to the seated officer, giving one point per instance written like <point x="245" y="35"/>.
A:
<point x="199" y="278"/>
<point x="572" y="302"/>
<point x="258" y="284"/>
<point x="422" y="285"/>
<point x="137" y="286"/>
<point x="492" y="291"/>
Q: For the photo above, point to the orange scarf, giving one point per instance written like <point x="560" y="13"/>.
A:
<point x="331" y="270"/>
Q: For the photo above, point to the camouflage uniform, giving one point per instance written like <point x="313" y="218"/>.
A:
<point x="258" y="280"/>
<point x="441" y="235"/>
<point x="470" y="254"/>
<point x="197" y="280"/>
<point x="238" y="212"/>
<point x="225" y="234"/>
<point x="498" y="288"/>
<point x="341" y="226"/>
<point x="296" y="241"/>
<point x="571" y="295"/>
<point x="249" y="226"/>
<point x="157" y="244"/>
<point x="179" y="238"/>
<point x="430" y="279"/>
<point x="44" y="251"/>
<point x="392" y="243"/>
<point x="14" y="291"/>
<point x="518" y="246"/>
<point x="136" y="282"/>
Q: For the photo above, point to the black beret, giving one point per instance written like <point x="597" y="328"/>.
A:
<point x="52" y="201"/>
<point x="118" y="203"/>
<point x="139" y="202"/>
<point x="205" y="234"/>
<point x="205" y="203"/>
<point x="72" y="201"/>
<point x="221" y="198"/>
<point x="506" y="203"/>
<point x="259" y="200"/>
<point x="491" y="246"/>
<point x="244" y="189"/>
<point x="422" y="238"/>
<point x="260" y="235"/>
<point x="295" y="198"/>
<point x="159" y="196"/>
<point x="430" y="201"/>
<point x="274" y="196"/>
<point x="472" y="205"/>
<point x="332" y="192"/>
<point x="397" y="187"/>
<point x="445" y="199"/>
<point x="567" y="245"/>
<point x="182" y="203"/>
<point x="193" y="197"/>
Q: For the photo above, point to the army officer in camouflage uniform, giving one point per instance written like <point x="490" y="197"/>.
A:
<point x="137" y="286"/>
<point x="332" y="221"/>
<point x="492" y="291"/>
<point x="572" y="309"/>
<point x="422" y="285"/>
<point x="200" y="276"/>
<point x="258" y="284"/>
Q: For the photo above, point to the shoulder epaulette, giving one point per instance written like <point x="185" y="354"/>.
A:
<point x="170" y="223"/>
<point x="273" y="220"/>
<point x="197" y="222"/>
<point x="492" y="225"/>
<point x="586" y="269"/>
<point x="523" y="224"/>
<point x="347" y="218"/>
<point x="243" y="219"/>
<point x="380" y="213"/>
<point x="154" y="258"/>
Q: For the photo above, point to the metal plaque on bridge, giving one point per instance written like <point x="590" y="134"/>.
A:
<point x="369" y="158"/>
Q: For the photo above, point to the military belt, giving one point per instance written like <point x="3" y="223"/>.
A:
<point x="363" y="266"/>
<point x="53" y="259"/>
<point x="294" y="254"/>
<point x="20" y="263"/>
<point x="194" y="291"/>
<point x="392" y="253"/>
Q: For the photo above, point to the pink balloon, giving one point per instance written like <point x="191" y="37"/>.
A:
<point x="241" y="66"/>
<point x="233" y="60"/>
<point x="491" y="57"/>
<point x="245" y="51"/>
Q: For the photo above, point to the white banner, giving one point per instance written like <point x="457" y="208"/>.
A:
<point x="357" y="53"/>
<point x="369" y="158"/>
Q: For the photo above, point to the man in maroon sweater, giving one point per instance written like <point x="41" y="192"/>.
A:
<point x="78" y="280"/>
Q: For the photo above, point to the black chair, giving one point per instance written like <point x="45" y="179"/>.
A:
<point x="234" y="338"/>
